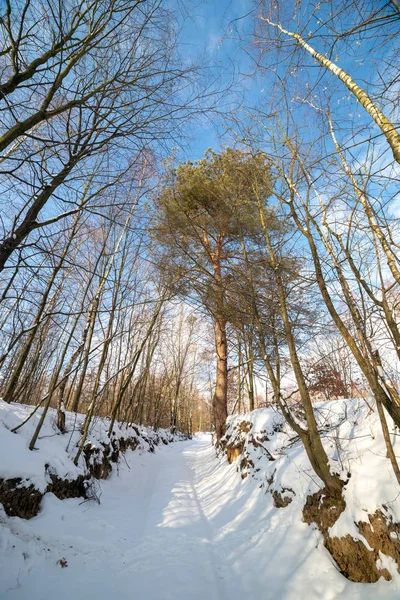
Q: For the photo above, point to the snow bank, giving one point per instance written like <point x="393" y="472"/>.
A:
<point x="54" y="452"/>
<point x="265" y="448"/>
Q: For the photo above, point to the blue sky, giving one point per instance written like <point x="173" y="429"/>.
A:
<point x="208" y="31"/>
<point x="211" y="21"/>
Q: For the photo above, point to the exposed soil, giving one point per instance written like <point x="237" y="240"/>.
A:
<point x="19" y="500"/>
<point x="65" y="488"/>
<point x="354" y="559"/>
<point x="245" y="426"/>
<point x="283" y="498"/>
<point x="323" y="508"/>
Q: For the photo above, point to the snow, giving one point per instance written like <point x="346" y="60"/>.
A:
<point x="182" y="524"/>
<point x="353" y="440"/>
<point x="57" y="451"/>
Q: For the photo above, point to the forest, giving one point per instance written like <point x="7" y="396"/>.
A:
<point x="200" y="248"/>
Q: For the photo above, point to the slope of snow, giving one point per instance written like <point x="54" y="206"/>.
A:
<point x="353" y="439"/>
<point x="182" y="524"/>
<point x="53" y="449"/>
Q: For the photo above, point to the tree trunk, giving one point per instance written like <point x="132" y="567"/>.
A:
<point x="221" y="384"/>
<point x="387" y="128"/>
<point x="310" y="437"/>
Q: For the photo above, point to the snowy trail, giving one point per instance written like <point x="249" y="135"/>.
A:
<point x="149" y="536"/>
<point x="179" y="525"/>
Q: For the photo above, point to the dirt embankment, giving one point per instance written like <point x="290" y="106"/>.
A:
<point x="360" y="560"/>
<point x="22" y="500"/>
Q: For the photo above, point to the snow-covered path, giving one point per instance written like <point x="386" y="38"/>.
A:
<point x="150" y="535"/>
<point x="179" y="525"/>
